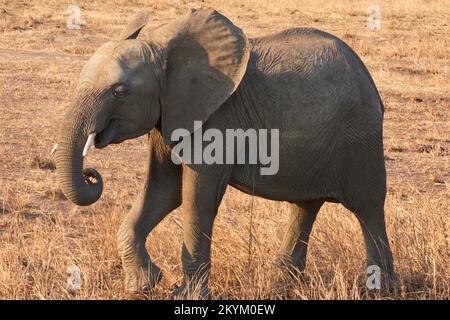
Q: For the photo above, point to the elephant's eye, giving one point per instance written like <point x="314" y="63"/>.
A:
<point x="120" y="91"/>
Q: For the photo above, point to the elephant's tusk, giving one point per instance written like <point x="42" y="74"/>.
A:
<point x="89" y="143"/>
<point x="54" y="149"/>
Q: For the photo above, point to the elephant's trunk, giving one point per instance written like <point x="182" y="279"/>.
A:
<point x="82" y="187"/>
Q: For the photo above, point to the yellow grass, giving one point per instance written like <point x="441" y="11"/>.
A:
<point x="41" y="233"/>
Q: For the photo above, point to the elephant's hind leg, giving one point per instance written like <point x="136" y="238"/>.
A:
<point x="376" y="240"/>
<point x="295" y="243"/>
<point x="160" y="195"/>
<point x="364" y="195"/>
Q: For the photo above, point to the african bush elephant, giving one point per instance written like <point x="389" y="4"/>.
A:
<point x="307" y="83"/>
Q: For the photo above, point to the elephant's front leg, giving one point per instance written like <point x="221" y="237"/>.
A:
<point x="202" y="194"/>
<point x="161" y="195"/>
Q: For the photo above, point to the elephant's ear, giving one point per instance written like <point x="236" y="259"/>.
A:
<point x="132" y="29"/>
<point x="206" y="61"/>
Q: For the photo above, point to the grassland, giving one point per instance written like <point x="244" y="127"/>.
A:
<point x="41" y="233"/>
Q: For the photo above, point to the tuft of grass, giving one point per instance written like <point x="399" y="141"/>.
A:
<point x="43" y="163"/>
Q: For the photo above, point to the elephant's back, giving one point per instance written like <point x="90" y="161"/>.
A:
<point x="302" y="43"/>
<point x="315" y="71"/>
<point x="292" y="37"/>
<point x="294" y="44"/>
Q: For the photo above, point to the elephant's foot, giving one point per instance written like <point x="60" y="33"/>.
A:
<point x="289" y="270"/>
<point x="387" y="285"/>
<point x="284" y="277"/>
<point x="141" y="279"/>
<point x="381" y="277"/>
<point x="193" y="290"/>
<point x="391" y="286"/>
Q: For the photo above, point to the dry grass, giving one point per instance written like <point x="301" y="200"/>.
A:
<point x="41" y="233"/>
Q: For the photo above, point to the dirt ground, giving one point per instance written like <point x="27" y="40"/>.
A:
<point x="41" y="233"/>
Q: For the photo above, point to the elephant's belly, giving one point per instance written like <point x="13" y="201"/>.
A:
<point x="286" y="192"/>
<point x="298" y="179"/>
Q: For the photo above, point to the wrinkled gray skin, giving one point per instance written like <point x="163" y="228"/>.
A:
<point x="304" y="82"/>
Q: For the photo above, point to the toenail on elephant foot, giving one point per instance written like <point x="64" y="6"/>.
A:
<point x="142" y="279"/>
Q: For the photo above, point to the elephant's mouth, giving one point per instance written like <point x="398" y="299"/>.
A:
<point x="101" y="139"/>
<point x="109" y="135"/>
<point x="106" y="136"/>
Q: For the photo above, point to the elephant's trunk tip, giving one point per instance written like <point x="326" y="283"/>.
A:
<point x="84" y="191"/>
<point x="94" y="182"/>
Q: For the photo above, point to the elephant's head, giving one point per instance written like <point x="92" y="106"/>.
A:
<point x="168" y="77"/>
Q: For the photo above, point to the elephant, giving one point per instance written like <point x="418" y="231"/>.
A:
<point x="304" y="82"/>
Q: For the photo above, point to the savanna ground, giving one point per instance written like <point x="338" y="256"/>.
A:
<point x="41" y="233"/>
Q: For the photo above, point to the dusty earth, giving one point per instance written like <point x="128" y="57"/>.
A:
<point x="41" y="233"/>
